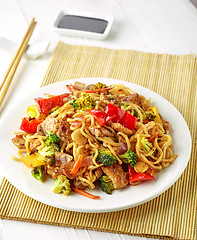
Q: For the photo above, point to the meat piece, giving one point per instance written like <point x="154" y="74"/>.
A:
<point x="63" y="131"/>
<point x="62" y="159"/>
<point x="166" y="124"/>
<point x="101" y="132"/>
<point x="78" y="184"/>
<point x="54" y="171"/>
<point x="98" y="173"/>
<point x="133" y="98"/>
<point x="89" y="87"/>
<point x="118" y="127"/>
<point x="117" y="175"/>
<point x="49" y="124"/>
<point x="62" y="165"/>
<point x="121" y="149"/>
<point x="19" y="141"/>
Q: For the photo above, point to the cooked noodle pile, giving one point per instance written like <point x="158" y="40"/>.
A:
<point x="81" y="136"/>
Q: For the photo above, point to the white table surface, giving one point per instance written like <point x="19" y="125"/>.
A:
<point x="162" y="26"/>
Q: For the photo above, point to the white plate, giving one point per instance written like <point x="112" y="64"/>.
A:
<point x="20" y="176"/>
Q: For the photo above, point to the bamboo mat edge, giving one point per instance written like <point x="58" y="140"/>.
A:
<point x="88" y="228"/>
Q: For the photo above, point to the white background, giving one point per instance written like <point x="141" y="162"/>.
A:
<point x="162" y="26"/>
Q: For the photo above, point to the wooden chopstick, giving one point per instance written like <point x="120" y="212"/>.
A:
<point x="16" y="60"/>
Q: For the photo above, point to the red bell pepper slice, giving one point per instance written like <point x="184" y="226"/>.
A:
<point x="132" y="172"/>
<point x="30" y="126"/>
<point x="121" y="116"/>
<point x="46" y="104"/>
<point x="141" y="177"/>
<point x="138" y="177"/>
<point x="100" y="116"/>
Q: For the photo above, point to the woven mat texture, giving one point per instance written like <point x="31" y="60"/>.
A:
<point x="172" y="214"/>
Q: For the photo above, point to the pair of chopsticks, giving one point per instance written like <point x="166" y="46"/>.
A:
<point x="15" y="61"/>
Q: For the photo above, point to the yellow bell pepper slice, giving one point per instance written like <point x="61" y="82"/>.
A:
<point x="32" y="160"/>
<point x="154" y="110"/>
<point x="33" y="111"/>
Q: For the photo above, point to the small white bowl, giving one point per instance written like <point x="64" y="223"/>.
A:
<point x="80" y="33"/>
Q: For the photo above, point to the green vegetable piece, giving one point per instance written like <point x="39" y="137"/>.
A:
<point x="98" y="85"/>
<point x="51" y="145"/>
<point x="105" y="157"/>
<point x="84" y="102"/>
<point x="147" y="146"/>
<point x="61" y="185"/>
<point x="129" y="157"/>
<point x="51" y="139"/>
<point x="39" y="173"/>
<point x="48" y="151"/>
<point x="106" y="184"/>
<point x="125" y="105"/>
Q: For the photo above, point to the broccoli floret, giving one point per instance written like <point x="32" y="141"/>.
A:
<point x="106" y="184"/>
<point x="61" y="185"/>
<point x="129" y="157"/>
<point x="105" y="157"/>
<point x="39" y="173"/>
<point x="52" y="139"/>
<point x="149" y="116"/>
<point x="84" y="102"/>
<point x="147" y="146"/>
<point x="48" y="151"/>
<point x="51" y="145"/>
<point x="98" y="85"/>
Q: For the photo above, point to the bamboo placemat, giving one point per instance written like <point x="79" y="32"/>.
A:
<point x="172" y="214"/>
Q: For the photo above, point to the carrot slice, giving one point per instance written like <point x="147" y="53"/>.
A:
<point x="153" y="136"/>
<point x="77" y="165"/>
<point x="85" y="194"/>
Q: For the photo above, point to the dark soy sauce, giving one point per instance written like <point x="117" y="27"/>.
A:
<point x="83" y="23"/>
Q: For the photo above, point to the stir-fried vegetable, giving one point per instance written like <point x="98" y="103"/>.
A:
<point x="138" y="177"/>
<point x="33" y="111"/>
<point x="32" y="160"/>
<point x="61" y="185"/>
<point x="98" y="85"/>
<point x="84" y="102"/>
<point x="105" y="157"/>
<point x="146" y="145"/>
<point x="30" y="125"/>
<point x="121" y="116"/>
<point x="84" y="193"/>
<point x="39" y="173"/>
<point x="155" y="112"/>
<point x="129" y="157"/>
<point x="106" y="184"/>
<point x="101" y="117"/>
<point x="77" y="165"/>
<point x="47" y="104"/>
<point x="51" y="145"/>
